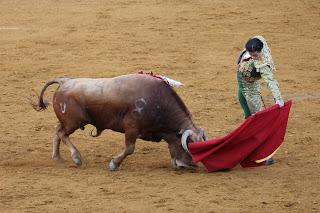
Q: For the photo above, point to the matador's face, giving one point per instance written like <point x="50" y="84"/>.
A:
<point x="255" y="55"/>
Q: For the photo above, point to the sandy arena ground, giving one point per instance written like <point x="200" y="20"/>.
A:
<point x="196" y="42"/>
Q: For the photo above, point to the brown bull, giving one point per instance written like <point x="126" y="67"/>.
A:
<point x="138" y="105"/>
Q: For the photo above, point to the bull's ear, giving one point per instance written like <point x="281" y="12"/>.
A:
<point x="179" y="134"/>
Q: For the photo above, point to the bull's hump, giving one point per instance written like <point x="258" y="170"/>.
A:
<point x="138" y="77"/>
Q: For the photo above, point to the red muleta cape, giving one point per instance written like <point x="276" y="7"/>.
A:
<point x="256" y="139"/>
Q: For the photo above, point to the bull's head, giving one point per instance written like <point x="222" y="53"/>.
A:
<point x="180" y="155"/>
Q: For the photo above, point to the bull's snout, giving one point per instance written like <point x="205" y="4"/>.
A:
<point x="179" y="157"/>
<point x="179" y="164"/>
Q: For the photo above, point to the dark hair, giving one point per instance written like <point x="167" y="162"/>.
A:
<point x="254" y="45"/>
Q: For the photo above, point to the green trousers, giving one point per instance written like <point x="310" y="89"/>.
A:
<point x="242" y="99"/>
<point x="243" y="104"/>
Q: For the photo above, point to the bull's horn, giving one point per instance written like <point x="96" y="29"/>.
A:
<point x="204" y="135"/>
<point x="184" y="138"/>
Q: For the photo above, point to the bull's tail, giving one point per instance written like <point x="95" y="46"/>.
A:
<point x="43" y="104"/>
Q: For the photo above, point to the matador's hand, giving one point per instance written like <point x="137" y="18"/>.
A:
<point x="280" y="102"/>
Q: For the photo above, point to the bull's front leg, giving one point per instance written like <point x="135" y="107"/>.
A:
<point x="130" y="140"/>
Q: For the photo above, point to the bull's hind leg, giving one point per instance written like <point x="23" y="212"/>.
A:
<point x="72" y="117"/>
<point x="75" y="154"/>
<point x="130" y="140"/>
<point x="56" y="143"/>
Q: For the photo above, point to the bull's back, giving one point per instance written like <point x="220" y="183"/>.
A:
<point x="124" y="89"/>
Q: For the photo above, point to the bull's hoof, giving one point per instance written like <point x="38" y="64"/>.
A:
<point x="113" y="166"/>
<point x="76" y="158"/>
<point x="58" y="159"/>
